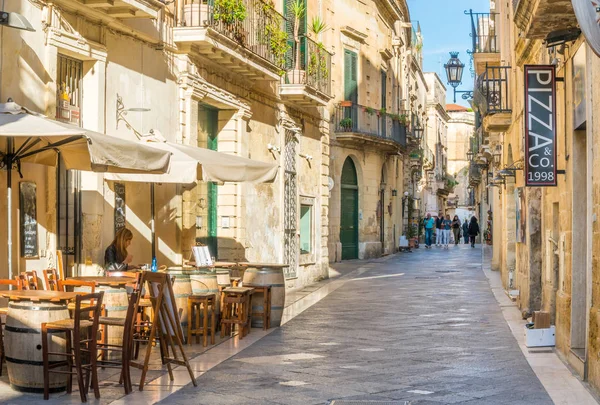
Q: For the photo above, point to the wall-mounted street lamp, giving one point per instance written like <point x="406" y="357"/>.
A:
<point x="15" y="20"/>
<point x="498" y="155"/>
<point x="122" y="111"/>
<point x="470" y="155"/>
<point x="454" y="71"/>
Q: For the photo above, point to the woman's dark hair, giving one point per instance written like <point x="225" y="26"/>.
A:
<point x="455" y="217"/>
<point x="473" y="219"/>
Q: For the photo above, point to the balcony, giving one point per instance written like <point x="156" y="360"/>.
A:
<point x="244" y="37"/>
<point x="474" y="175"/>
<point x="428" y="158"/>
<point x="307" y="82"/>
<point x="358" y="125"/>
<point x="537" y="18"/>
<point x="109" y="10"/>
<point x="485" y="44"/>
<point x="493" y="99"/>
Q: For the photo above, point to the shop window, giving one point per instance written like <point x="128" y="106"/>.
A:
<point x="306" y="229"/>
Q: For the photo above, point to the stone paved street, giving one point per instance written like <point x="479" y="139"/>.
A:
<point x="421" y="327"/>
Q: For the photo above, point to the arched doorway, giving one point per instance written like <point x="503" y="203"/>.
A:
<point x="349" y="211"/>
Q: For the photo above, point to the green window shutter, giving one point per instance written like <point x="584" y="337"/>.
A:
<point x="350" y="76"/>
<point x="383" y="89"/>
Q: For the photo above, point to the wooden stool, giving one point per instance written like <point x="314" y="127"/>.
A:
<point x="265" y="290"/>
<point x="204" y="303"/>
<point x="236" y="310"/>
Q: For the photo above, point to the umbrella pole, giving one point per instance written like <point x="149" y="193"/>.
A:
<point x="152" y="220"/>
<point x="9" y="161"/>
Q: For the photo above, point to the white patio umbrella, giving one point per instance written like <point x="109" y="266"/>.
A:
<point x="32" y="138"/>
<point x="188" y="161"/>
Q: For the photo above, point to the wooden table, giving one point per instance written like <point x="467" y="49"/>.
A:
<point x="106" y="281"/>
<point x="27" y="310"/>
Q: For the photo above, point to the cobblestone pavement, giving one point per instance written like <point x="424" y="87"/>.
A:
<point x="422" y="328"/>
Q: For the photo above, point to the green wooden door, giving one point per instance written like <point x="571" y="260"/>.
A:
<point x="349" y="211"/>
<point x="212" y="120"/>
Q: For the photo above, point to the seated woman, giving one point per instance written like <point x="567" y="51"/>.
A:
<point x="116" y="256"/>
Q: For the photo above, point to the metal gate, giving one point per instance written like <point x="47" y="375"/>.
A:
<point x="68" y="182"/>
<point x="290" y="214"/>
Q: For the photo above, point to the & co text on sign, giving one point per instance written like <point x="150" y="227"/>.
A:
<point x="540" y="126"/>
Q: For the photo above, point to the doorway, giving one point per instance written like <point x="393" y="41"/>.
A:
<point x="68" y="182"/>
<point x="291" y="242"/>
<point x="208" y="121"/>
<point x="349" y="211"/>
<point x="581" y="261"/>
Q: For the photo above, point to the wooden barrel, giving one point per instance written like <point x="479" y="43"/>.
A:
<point x="274" y="278"/>
<point x="182" y="288"/>
<point x="23" y="345"/>
<point x="223" y="277"/>
<point x="205" y="282"/>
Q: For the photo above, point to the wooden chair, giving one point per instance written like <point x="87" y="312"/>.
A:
<point x="60" y="264"/>
<point x="236" y="310"/>
<point x="16" y="284"/>
<point x="126" y="348"/>
<point x="204" y="304"/>
<point x="81" y="333"/>
<point x="265" y="290"/>
<point x="71" y="285"/>
<point x="29" y="280"/>
<point x="51" y="279"/>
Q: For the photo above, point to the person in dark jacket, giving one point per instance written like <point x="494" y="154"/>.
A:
<point x="439" y="227"/>
<point x="115" y="255"/>
<point x="465" y="230"/>
<point x="473" y="230"/>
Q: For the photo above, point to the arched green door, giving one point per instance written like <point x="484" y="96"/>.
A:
<point x="349" y="211"/>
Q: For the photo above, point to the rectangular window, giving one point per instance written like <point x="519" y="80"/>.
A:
<point x="350" y="76"/>
<point x="306" y="236"/>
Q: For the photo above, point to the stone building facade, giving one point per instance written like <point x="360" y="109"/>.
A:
<point x="545" y="240"/>
<point x="370" y="126"/>
<point x="438" y="183"/>
<point x="238" y="88"/>
<point x="460" y="131"/>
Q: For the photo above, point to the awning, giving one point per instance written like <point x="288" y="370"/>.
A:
<point x="36" y="139"/>
<point x="189" y="164"/>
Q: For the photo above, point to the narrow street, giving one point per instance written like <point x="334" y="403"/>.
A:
<point x="422" y="327"/>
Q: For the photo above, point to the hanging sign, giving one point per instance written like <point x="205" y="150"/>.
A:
<point x="540" y="126"/>
<point x="588" y="17"/>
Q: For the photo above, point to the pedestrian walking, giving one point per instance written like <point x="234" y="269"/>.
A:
<point x="456" y="230"/>
<point x="439" y="226"/>
<point x="429" y="224"/>
<point x="473" y="230"/>
<point x="447" y="223"/>
<point x="465" y="230"/>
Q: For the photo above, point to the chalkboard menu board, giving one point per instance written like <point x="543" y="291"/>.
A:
<point x="119" y="206"/>
<point x="28" y="219"/>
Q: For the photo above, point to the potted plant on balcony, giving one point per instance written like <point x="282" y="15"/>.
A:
<point x="297" y="75"/>
<point x="231" y="13"/>
<point x="346" y="124"/>
<point x="195" y="14"/>
<point x="403" y="119"/>
<point x="272" y="38"/>
<point x="381" y="112"/>
<point x="317" y="64"/>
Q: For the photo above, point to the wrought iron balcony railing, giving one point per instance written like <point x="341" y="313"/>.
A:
<point x="492" y="90"/>
<point x="354" y="118"/>
<point x="310" y="65"/>
<point x="483" y="32"/>
<point x="253" y="24"/>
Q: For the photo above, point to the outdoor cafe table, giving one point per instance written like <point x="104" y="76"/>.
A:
<point x="115" y="302"/>
<point x="27" y="310"/>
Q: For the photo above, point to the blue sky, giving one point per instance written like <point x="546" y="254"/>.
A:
<point x="446" y="28"/>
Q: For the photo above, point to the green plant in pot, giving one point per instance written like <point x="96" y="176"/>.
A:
<point x="272" y="36"/>
<point x="297" y="75"/>
<point x="346" y="124"/>
<point x="317" y="64"/>
<point x="231" y="13"/>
